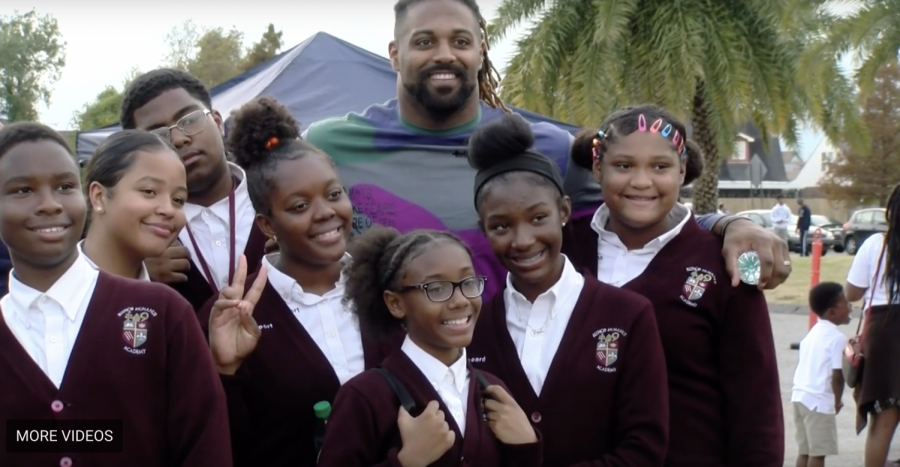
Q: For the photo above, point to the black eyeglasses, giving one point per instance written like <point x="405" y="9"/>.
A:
<point x="441" y="291"/>
<point x="190" y="125"/>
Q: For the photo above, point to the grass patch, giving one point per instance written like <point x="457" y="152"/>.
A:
<point x="795" y="290"/>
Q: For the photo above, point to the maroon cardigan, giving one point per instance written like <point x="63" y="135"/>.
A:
<point x="725" y="397"/>
<point x="197" y="290"/>
<point x="166" y="391"/>
<point x="592" y="412"/>
<point x="271" y="398"/>
<point x="362" y="430"/>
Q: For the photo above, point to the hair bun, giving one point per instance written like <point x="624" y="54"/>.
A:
<point x="499" y="140"/>
<point x="258" y="127"/>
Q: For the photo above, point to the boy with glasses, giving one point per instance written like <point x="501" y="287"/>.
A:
<point x="221" y="225"/>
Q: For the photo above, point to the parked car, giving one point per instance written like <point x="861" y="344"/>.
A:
<point x="832" y="234"/>
<point x="862" y="225"/>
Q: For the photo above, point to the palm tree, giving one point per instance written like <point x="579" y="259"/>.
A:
<point x="873" y="33"/>
<point x="716" y="63"/>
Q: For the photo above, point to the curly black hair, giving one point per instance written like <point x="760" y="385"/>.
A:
<point x="379" y="256"/>
<point x="488" y="76"/>
<point x="823" y="296"/>
<point x="263" y="134"/>
<point x="26" y="132"/>
<point x="623" y="122"/>
<point x="501" y="140"/>
<point x="150" y="85"/>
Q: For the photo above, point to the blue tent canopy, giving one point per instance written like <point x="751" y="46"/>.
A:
<point x="322" y="77"/>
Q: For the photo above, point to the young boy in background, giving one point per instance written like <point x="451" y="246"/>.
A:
<point x="818" y="381"/>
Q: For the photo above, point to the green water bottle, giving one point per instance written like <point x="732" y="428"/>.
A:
<point x="322" y="409"/>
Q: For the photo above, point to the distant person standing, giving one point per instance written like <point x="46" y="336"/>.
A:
<point x="803" y="224"/>
<point x="781" y="218"/>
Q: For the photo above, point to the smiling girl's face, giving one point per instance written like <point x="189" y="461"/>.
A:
<point x="641" y="175"/>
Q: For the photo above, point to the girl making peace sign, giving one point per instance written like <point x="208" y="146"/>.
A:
<point x="288" y="342"/>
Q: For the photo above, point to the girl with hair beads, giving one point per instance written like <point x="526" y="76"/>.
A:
<point x="137" y="188"/>
<point x="583" y="358"/>
<point x="78" y="343"/>
<point x="425" y="280"/>
<point x="724" y="396"/>
<point x="289" y="343"/>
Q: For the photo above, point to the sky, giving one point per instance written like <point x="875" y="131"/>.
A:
<point x="107" y="38"/>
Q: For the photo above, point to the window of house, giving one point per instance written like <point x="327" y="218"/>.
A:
<point x="741" y="151"/>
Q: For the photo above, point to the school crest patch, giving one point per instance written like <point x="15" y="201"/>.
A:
<point x="135" y="332"/>
<point x="698" y="282"/>
<point x="136" y="328"/>
<point x="609" y="343"/>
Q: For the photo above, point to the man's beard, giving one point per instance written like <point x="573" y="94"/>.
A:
<point x="443" y="103"/>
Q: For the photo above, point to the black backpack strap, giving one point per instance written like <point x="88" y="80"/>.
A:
<point x="405" y="399"/>
<point x="482" y="380"/>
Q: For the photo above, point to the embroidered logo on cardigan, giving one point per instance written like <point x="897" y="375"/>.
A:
<point x="695" y="286"/>
<point x="135" y="329"/>
<point x="608" y="346"/>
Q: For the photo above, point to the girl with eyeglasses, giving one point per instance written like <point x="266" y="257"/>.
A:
<point x="288" y="342"/>
<point x="426" y="281"/>
<point x="583" y="358"/>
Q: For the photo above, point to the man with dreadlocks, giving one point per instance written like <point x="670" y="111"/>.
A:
<point x="405" y="163"/>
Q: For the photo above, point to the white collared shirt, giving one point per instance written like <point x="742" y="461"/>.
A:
<point x="537" y="328"/>
<point x="145" y="275"/>
<point x="333" y="327"/>
<point x="451" y="383"/>
<point x="865" y="265"/>
<point x="821" y="353"/>
<point x="211" y="230"/>
<point x="781" y="216"/>
<point x="616" y="265"/>
<point x="47" y="324"/>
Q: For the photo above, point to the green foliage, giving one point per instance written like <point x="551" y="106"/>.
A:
<point x="104" y="109"/>
<point x="857" y="177"/>
<point x="718" y="64"/>
<point x="216" y="55"/>
<point x="264" y="50"/>
<point x="872" y="34"/>
<point x="32" y="57"/>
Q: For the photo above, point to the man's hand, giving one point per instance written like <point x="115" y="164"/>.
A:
<point x="744" y="235"/>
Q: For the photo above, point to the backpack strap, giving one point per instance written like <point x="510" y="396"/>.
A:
<point x="399" y="390"/>
<point x="482" y="380"/>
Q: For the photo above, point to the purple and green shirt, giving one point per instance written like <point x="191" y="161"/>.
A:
<point x="407" y="177"/>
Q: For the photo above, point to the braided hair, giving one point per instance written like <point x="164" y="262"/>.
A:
<point x="380" y="255"/>
<point x="623" y="122"/>
<point x="488" y="76"/>
<point x="892" y="247"/>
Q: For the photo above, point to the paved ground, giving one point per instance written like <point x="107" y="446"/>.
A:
<point x="790" y="325"/>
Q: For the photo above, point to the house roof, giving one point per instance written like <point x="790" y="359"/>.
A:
<point x="770" y="154"/>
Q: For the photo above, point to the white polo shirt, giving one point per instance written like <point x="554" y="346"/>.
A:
<point x="820" y="355"/>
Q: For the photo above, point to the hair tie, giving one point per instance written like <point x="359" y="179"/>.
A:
<point x="272" y="142"/>
<point x="666" y="130"/>
<point x="596" y="144"/>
